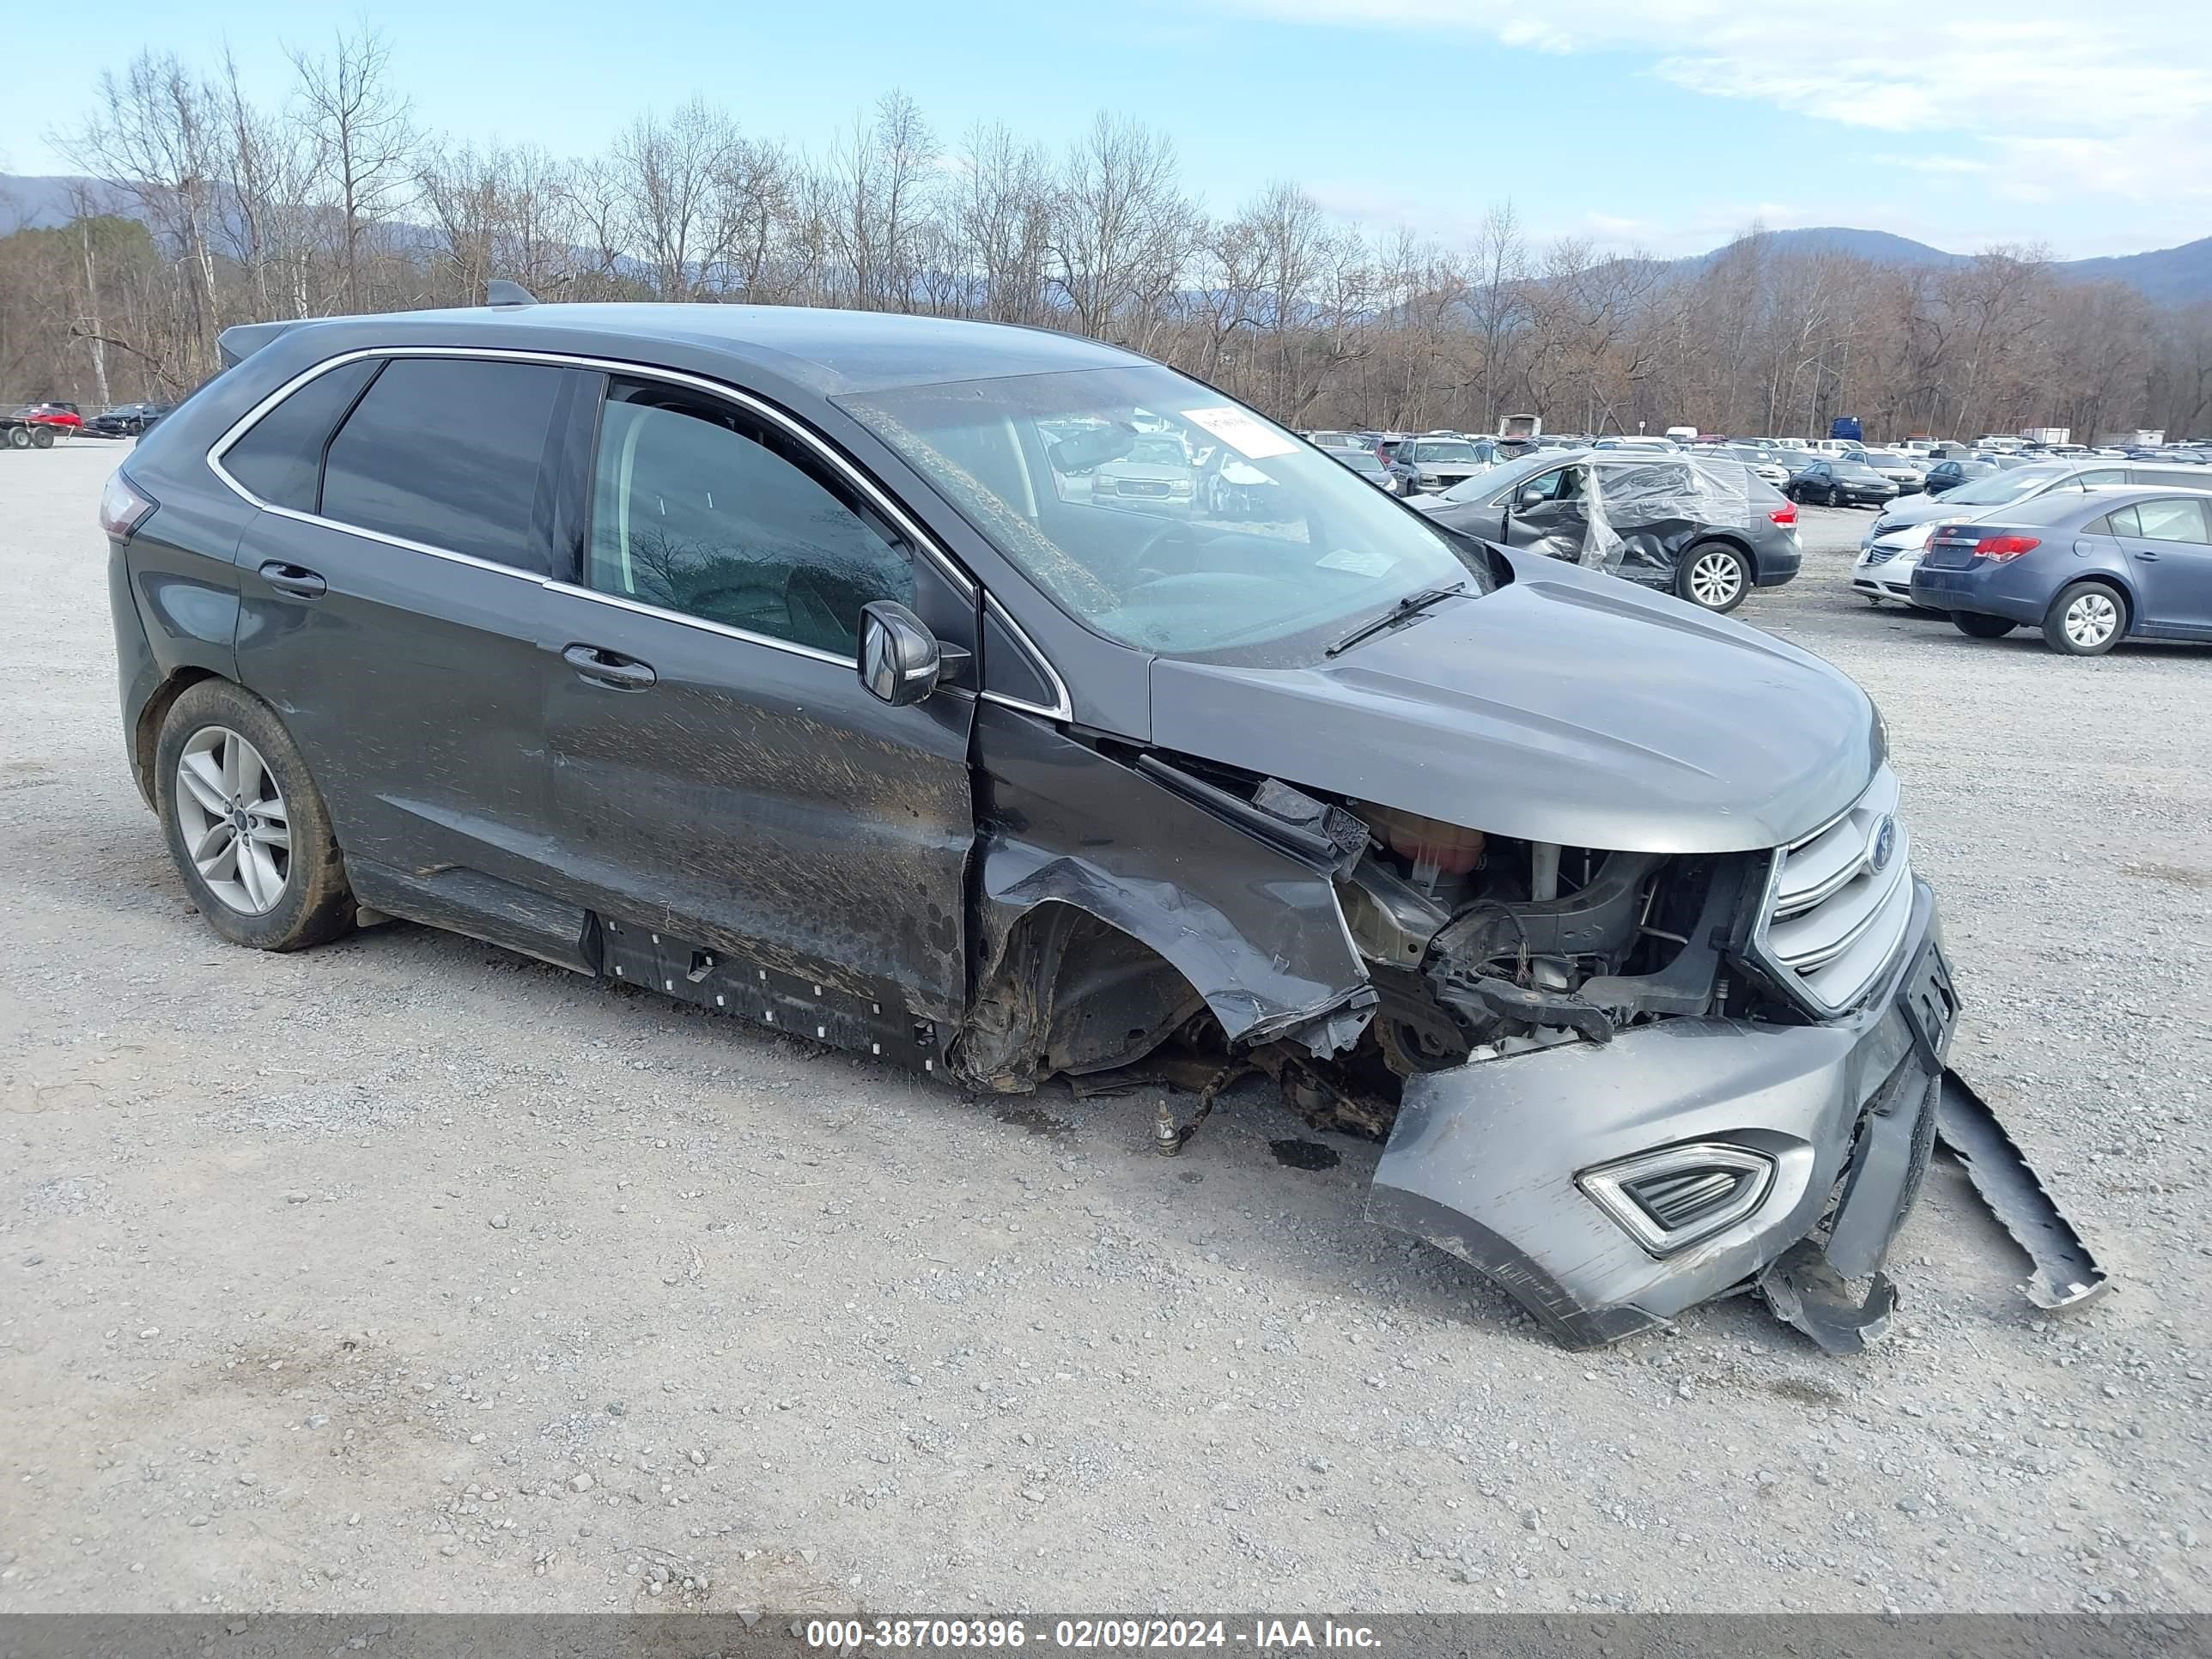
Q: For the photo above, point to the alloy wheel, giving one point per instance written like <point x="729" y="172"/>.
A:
<point x="2090" y="620"/>
<point x="237" y="829"/>
<point x="1715" y="579"/>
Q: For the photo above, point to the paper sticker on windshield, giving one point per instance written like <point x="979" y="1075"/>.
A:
<point x="1360" y="561"/>
<point x="1241" y="431"/>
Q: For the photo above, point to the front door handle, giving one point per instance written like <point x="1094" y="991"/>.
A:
<point x="608" y="668"/>
<point x="291" y="579"/>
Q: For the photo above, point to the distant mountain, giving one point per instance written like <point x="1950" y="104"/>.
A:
<point x="39" y="201"/>
<point x="1875" y="246"/>
<point x="2170" y="276"/>
<point x="2167" y="275"/>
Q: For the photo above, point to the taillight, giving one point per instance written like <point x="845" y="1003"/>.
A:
<point x="1997" y="549"/>
<point x="1785" y="514"/>
<point x="123" y="507"/>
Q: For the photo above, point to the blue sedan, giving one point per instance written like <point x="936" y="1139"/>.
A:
<point x="2088" y="566"/>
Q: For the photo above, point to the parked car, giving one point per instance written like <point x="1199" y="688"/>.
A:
<point x="2023" y="481"/>
<point x="2089" y="568"/>
<point x="1155" y="468"/>
<point x="1947" y="476"/>
<point x="1909" y="477"/>
<point x="797" y="687"/>
<point x="1231" y="488"/>
<point x="1839" y="484"/>
<point x="1763" y="462"/>
<point x="1336" y="442"/>
<point x="1366" y="465"/>
<point x="38" y="426"/>
<point x="125" y="420"/>
<point x="1708" y="532"/>
<point x="1439" y="463"/>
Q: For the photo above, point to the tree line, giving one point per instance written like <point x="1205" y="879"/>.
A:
<point x="209" y="208"/>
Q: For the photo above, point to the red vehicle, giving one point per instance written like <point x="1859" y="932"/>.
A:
<point x="38" y="425"/>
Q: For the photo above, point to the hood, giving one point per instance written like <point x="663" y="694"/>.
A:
<point x="1564" y="707"/>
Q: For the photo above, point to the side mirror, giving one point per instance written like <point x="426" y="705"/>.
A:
<point x="1530" y="497"/>
<point x="900" y="657"/>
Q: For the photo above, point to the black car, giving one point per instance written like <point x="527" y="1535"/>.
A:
<point x="786" y="663"/>
<point x="126" y="420"/>
<point x="1949" y="475"/>
<point x="1833" y="482"/>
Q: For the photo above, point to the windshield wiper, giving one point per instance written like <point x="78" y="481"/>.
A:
<point x="1405" y="610"/>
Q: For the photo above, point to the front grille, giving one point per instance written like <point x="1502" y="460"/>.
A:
<point x="1839" y="901"/>
<point x="1141" y="487"/>
<point x="1879" y="554"/>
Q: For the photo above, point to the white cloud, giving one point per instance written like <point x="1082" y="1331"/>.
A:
<point x="2057" y="98"/>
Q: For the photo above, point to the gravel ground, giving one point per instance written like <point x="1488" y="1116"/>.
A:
<point x="405" y="1274"/>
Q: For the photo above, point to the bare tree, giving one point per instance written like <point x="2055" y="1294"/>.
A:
<point x="363" y="128"/>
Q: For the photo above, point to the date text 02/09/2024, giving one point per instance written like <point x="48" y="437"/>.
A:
<point x="1127" y="1635"/>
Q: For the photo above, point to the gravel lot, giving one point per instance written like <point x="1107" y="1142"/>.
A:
<point x="405" y="1274"/>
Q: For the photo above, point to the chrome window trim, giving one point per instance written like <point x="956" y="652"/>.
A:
<point x="943" y="562"/>
<point x="1060" y="709"/>
<point x="575" y="590"/>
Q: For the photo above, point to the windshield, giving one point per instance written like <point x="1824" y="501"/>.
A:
<point x="1362" y="463"/>
<point x="2006" y="486"/>
<point x="1433" y="449"/>
<point x="1883" y="458"/>
<point x="1262" y="550"/>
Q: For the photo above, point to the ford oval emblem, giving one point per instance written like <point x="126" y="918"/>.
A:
<point x="1884" y="845"/>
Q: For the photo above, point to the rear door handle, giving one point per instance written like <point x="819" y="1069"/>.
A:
<point x="2146" y="556"/>
<point x="291" y="579"/>
<point x="608" y="668"/>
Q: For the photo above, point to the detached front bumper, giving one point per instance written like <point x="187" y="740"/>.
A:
<point x="1493" y="1161"/>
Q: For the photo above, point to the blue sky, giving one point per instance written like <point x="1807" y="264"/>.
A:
<point x="1666" y="123"/>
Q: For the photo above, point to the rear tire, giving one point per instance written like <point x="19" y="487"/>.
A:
<point x="1977" y="626"/>
<point x="2086" y="619"/>
<point x="1714" y="577"/>
<point x="42" y="437"/>
<point x="19" y="437"/>
<point x="246" y="824"/>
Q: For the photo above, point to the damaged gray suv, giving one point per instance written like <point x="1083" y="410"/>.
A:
<point x="791" y="663"/>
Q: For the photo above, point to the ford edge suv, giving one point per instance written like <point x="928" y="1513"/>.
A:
<point x="786" y="662"/>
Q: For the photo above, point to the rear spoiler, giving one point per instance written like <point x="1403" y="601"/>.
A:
<point x="242" y="340"/>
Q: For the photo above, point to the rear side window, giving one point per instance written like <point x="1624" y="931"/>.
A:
<point x="280" y="458"/>
<point x="697" y="508"/>
<point x="2172" y="478"/>
<point x="447" y="452"/>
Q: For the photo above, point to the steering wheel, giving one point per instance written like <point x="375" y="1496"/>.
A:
<point x="1140" y="562"/>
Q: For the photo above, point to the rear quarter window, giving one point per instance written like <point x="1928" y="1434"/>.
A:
<point x="279" y="457"/>
<point x="447" y="452"/>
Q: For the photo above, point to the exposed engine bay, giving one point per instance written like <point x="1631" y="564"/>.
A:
<point x="1480" y="946"/>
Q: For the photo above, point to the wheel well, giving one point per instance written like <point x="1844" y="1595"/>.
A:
<point x="1067" y="991"/>
<point x="148" y="736"/>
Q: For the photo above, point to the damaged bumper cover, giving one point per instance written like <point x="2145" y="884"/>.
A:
<point x="1607" y="1189"/>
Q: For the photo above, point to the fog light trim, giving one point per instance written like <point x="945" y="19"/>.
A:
<point x="1624" y="1191"/>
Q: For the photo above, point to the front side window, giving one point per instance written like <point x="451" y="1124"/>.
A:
<point x="1160" y="516"/>
<point x="280" y="457"/>
<point x="447" y="452"/>
<point x="698" y="507"/>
